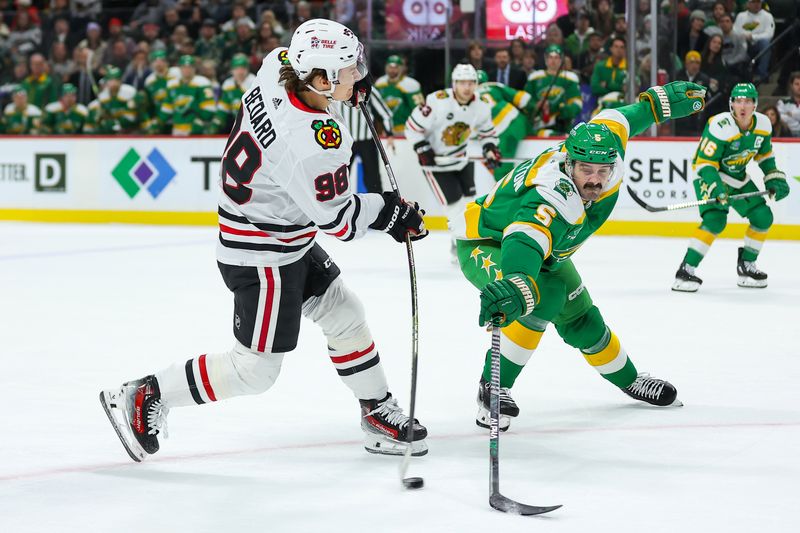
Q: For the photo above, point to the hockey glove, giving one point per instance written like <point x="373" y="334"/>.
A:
<point x="776" y="184"/>
<point x="491" y="156"/>
<point x="361" y="91"/>
<point x="399" y="217"/>
<point x="425" y="154"/>
<point x="677" y="99"/>
<point x="510" y="297"/>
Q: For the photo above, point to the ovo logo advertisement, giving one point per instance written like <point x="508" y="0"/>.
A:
<point x="425" y="12"/>
<point x="134" y="173"/>
<point x="528" y="19"/>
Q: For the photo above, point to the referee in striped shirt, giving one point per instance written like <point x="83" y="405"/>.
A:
<point x="363" y="145"/>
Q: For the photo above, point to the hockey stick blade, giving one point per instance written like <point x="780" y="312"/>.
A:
<point x="507" y="505"/>
<point x="642" y="203"/>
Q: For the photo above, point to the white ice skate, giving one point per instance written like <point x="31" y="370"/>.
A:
<point x="686" y="280"/>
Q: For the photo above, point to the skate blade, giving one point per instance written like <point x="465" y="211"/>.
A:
<point x="482" y="419"/>
<point x="380" y="445"/>
<point x="749" y="283"/>
<point x="113" y="403"/>
<point x="685" y="286"/>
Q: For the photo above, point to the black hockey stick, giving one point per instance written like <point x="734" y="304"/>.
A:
<point x="697" y="203"/>
<point x="497" y="500"/>
<point x="412" y="482"/>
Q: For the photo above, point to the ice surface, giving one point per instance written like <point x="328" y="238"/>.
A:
<point x="87" y="307"/>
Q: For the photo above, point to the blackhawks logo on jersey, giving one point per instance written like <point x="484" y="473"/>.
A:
<point x="564" y="188"/>
<point x="456" y="134"/>
<point x="328" y="134"/>
<point x="441" y="95"/>
<point x="283" y="57"/>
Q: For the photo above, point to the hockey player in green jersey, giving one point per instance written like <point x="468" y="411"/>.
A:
<point x="520" y="238"/>
<point x="154" y="93"/>
<point x="510" y="109"/>
<point x="400" y="92"/>
<point x="19" y="116"/>
<point x="65" y="116"/>
<point x="232" y="90"/>
<point x="729" y="142"/>
<point x="189" y="106"/>
<point x="556" y="94"/>
<point x="114" y="110"/>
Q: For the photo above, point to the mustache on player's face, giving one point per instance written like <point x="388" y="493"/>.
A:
<point x="593" y="186"/>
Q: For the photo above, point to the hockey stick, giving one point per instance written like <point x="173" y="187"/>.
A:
<point x="497" y="500"/>
<point x="697" y="203"/>
<point x="411" y="482"/>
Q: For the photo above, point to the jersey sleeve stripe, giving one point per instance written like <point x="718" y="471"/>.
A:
<point x="338" y="219"/>
<point x="540" y="161"/>
<point x="472" y="215"/>
<point x="416" y="126"/>
<point x="761" y="132"/>
<point x="540" y="235"/>
<point x="354" y="218"/>
<point x="502" y="114"/>
<point x="701" y="162"/>
<point x="520" y="100"/>
<point x="616" y="122"/>
<point x="612" y="190"/>
<point x="762" y="157"/>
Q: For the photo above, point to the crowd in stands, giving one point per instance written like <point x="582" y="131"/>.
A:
<point x="179" y="66"/>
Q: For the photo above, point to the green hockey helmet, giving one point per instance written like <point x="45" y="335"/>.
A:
<point x="482" y="77"/>
<point x="591" y="143"/>
<point x="744" y="90"/>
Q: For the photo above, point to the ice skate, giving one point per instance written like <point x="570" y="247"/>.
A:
<point x="137" y="415"/>
<point x="749" y="275"/>
<point x="386" y="428"/>
<point x="653" y="391"/>
<point x="686" y="280"/>
<point x="508" y="408"/>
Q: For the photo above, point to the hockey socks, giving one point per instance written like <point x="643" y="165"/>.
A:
<point x="701" y="241"/>
<point x="753" y="242"/>
<point x="517" y="344"/>
<point x="609" y="358"/>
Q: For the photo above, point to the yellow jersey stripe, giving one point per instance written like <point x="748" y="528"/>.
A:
<point x="522" y="336"/>
<point x="609" y="192"/>
<point x="606" y="355"/>
<point x="616" y="128"/>
<point x="539" y="163"/>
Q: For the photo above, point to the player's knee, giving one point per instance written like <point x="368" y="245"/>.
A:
<point x="584" y="331"/>
<point x="256" y="371"/>
<point x="715" y="220"/>
<point x="761" y="217"/>
<point x="339" y="313"/>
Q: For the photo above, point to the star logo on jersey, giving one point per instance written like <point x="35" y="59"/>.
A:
<point x="134" y="173"/>
<point x="487" y="264"/>
<point x="283" y="57"/>
<point x="327" y="133"/>
<point x="475" y="254"/>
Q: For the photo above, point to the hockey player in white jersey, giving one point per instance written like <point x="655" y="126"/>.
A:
<point x="284" y="178"/>
<point x="440" y="130"/>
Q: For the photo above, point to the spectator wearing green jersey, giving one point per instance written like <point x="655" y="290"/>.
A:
<point x="189" y="106"/>
<point x="609" y="74"/>
<point x="114" y="110"/>
<point x="40" y="86"/>
<point x="20" y="117"/>
<point x="65" y="116"/>
<point x="400" y="92"/>
<point x="556" y="93"/>
<point x="154" y="93"/>
<point x="233" y="88"/>
<point x="209" y="45"/>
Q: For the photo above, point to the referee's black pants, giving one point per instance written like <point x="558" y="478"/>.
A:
<point x="369" y="160"/>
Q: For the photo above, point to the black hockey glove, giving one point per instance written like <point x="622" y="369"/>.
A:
<point x="425" y="154"/>
<point x="361" y="91"/>
<point x="399" y="217"/>
<point x="491" y="156"/>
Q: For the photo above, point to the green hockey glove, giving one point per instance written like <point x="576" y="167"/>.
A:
<point x="677" y="99"/>
<point x="776" y="184"/>
<point x="509" y="298"/>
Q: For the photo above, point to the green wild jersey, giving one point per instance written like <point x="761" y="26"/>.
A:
<point x="230" y="100"/>
<point x="64" y="121"/>
<point x="402" y="97"/>
<point x="189" y="107"/>
<point x="112" y="113"/>
<point x="537" y="213"/>
<point x="151" y="98"/>
<point x="608" y="78"/>
<point x="725" y="150"/>
<point x="563" y="96"/>
<point x="27" y="121"/>
<point x="506" y="103"/>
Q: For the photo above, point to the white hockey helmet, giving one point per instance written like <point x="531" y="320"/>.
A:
<point x="330" y="46"/>
<point x="464" y="71"/>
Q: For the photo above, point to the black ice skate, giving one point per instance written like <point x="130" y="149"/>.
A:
<point x="136" y="412"/>
<point x="749" y="275"/>
<point x="686" y="280"/>
<point x="386" y="428"/>
<point x="653" y="391"/>
<point x="508" y="407"/>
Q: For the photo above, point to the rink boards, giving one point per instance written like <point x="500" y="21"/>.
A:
<point x="164" y="180"/>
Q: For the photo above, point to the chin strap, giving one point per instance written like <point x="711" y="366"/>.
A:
<point x="326" y="94"/>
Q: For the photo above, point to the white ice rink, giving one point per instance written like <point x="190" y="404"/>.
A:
<point x="87" y="307"/>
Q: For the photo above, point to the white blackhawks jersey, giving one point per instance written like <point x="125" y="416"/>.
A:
<point x="284" y="176"/>
<point x="448" y="126"/>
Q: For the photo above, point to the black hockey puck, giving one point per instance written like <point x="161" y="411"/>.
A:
<point x="413" y="482"/>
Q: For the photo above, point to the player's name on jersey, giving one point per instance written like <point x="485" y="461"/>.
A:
<point x="262" y="125"/>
